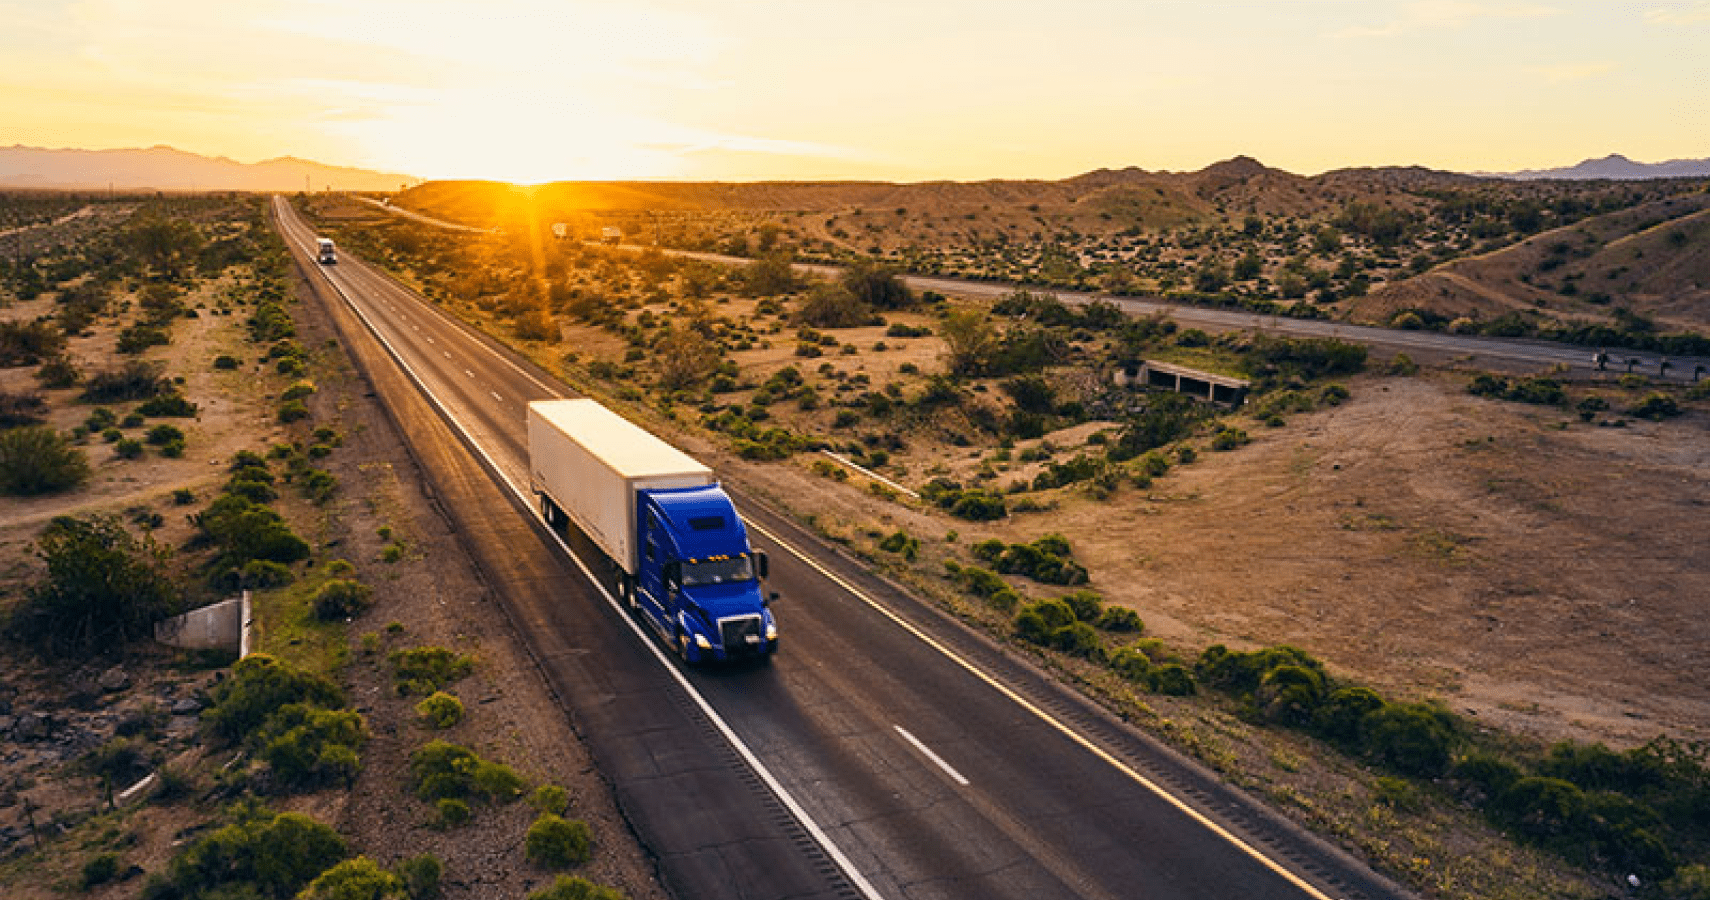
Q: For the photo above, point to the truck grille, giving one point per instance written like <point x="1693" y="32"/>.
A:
<point x="740" y="635"/>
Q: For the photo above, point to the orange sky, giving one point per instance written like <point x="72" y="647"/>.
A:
<point x="535" y="91"/>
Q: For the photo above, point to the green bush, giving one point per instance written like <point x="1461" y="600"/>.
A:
<point x="258" y="574"/>
<point x="442" y="770"/>
<point x="1290" y="694"/>
<point x="292" y="410"/>
<point x="1655" y="407"/>
<point x="260" y="685"/>
<point x="167" y="406"/>
<point x="452" y="811"/>
<point x="37" y="460"/>
<point x="1132" y="665"/>
<point x="103" y="589"/>
<point x="1411" y="738"/>
<point x="245" y="530"/>
<point x="258" y="856"/>
<point x="1341" y="717"/>
<point x="565" y="887"/>
<point x="163" y="434"/>
<point x="341" y="598"/>
<point x="298" y="390"/>
<point x="306" y="747"/>
<point x="549" y="798"/>
<point x="1174" y="680"/>
<point x="557" y="843"/>
<point x="355" y="879"/>
<point x="226" y="362"/>
<point x="1039" y="622"/>
<point x="423" y="670"/>
<point x="440" y="710"/>
<point x="901" y="543"/>
<point x="421" y="875"/>
<point x="100" y="869"/>
<point x="1120" y="619"/>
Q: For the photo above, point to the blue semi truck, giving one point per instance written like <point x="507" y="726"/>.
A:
<point x="680" y="551"/>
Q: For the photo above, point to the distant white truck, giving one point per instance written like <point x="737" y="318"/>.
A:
<point x="611" y="234"/>
<point x="328" y="254"/>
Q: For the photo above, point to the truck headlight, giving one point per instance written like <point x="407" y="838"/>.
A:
<point x="702" y="642"/>
<point x="771" y="631"/>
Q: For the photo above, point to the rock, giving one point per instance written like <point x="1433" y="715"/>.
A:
<point x="187" y="706"/>
<point x="30" y="727"/>
<point x="114" y="680"/>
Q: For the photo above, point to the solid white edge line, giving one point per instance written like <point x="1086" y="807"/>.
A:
<point x="927" y="752"/>
<point x="849" y="871"/>
<point x="1062" y="727"/>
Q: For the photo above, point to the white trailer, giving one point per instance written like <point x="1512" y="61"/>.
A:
<point x="591" y="463"/>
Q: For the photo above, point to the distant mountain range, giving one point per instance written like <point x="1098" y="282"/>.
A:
<point x="1618" y="168"/>
<point x="167" y="169"/>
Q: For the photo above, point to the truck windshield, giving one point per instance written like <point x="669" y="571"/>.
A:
<point x="718" y="571"/>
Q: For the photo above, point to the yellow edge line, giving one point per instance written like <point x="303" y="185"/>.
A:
<point x="1053" y="721"/>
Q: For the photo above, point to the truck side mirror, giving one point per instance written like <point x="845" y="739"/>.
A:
<point x="763" y="561"/>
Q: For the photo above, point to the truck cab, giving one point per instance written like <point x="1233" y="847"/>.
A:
<point x="326" y="252"/>
<point x="699" y="582"/>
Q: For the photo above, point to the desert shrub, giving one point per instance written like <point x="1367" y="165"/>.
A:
<point x="164" y="434"/>
<point x="58" y="372"/>
<point x="258" y="856"/>
<point x="447" y="771"/>
<point x="100" y="869"/>
<point x="557" y="843"/>
<point x="1132" y="665"/>
<point x="260" y="685"/>
<point x="549" y="798"/>
<point x="1045" y="560"/>
<point x="1342" y="715"/>
<point x="1079" y="639"/>
<point x="37" y="460"/>
<point x="1541" y="807"/>
<point x="566" y="887"/>
<point x="900" y="542"/>
<point x="1228" y="438"/>
<point x="259" y="574"/>
<point x="440" y="710"/>
<point x="1120" y="619"/>
<point x="28" y="343"/>
<point x="306" y="747"/>
<point x="423" y="670"/>
<point x="1481" y="777"/>
<point x="244" y="531"/>
<point x="1411" y="738"/>
<point x="128" y="448"/>
<point x="137" y="338"/>
<point x="226" y="362"/>
<point x="292" y="411"/>
<point x="341" y="598"/>
<point x="1655" y="407"/>
<point x="103" y="589"/>
<point x="135" y="380"/>
<point x="1174" y="680"/>
<point x="355" y="879"/>
<point x="421" y="875"/>
<point x="1087" y="605"/>
<point x="452" y="811"/>
<point x="298" y="390"/>
<point x="1689" y="882"/>
<point x="167" y="406"/>
<point x="1038" y="621"/>
<point x="1241" y="672"/>
<point x="1290" y="694"/>
<point x="978" y="506"/>
<point x="832" y="306"/>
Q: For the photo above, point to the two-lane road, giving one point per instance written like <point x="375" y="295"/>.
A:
<point x="908" y="757"/>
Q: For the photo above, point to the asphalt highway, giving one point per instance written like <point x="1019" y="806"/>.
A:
<point x="886" y="753"/>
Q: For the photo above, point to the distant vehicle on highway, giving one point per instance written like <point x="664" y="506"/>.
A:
<point x="327" y="255"/>
<point x="611" y="234"/>
<point x="662" y="519"/>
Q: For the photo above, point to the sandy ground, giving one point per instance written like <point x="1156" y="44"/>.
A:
<point x="1431" y="543"/>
